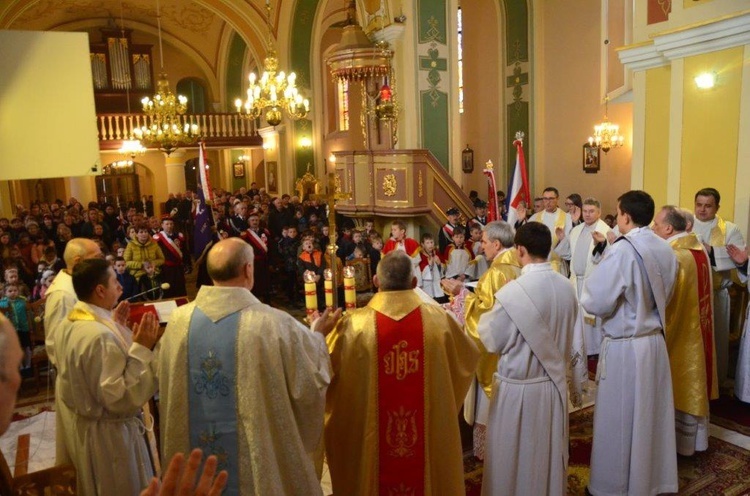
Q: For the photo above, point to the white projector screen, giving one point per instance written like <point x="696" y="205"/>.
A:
<point x="47" y="114"/>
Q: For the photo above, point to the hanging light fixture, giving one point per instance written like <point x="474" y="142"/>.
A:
<point x="606" y="134"/>
<point x="166" y="129"/>
<point x="273" y="93"/>
<point x="130" y="147"/>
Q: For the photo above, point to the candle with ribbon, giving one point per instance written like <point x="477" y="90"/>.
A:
<point x="328" y="285"/>
<point x="350" y="293"/>
<point x="311" y="296"/>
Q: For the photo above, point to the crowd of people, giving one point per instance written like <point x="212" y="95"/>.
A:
<point x="496" y="318"/>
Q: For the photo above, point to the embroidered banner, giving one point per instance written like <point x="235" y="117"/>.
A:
<point x="401" y="407"/>
<point x="212" y="398"/>
<point x="705" y="288"/>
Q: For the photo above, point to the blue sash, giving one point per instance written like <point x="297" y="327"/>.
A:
<point x="212" y="398"/>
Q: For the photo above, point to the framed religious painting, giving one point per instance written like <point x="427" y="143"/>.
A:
<point x="238" y="169"/>
<point x="591" y="157"/>
<point x="362" y="275"/>
<point x="272" y="178"/>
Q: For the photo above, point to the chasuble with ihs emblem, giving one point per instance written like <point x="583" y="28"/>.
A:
<point x="401" y="369"/>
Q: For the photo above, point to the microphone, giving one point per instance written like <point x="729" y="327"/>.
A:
<point x="164" y="286"/>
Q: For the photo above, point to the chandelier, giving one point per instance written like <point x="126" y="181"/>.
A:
<point x="606" y="134"/>
<point x="166" y="129"/>
<point x="132" y="148"/>
<point x="272" y="93"/>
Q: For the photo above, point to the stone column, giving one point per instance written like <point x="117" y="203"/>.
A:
<point x="175" y="167"/>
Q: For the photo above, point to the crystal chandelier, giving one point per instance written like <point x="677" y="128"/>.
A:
<point x="167" y="130"/>
<point x="606" y="134"/>
<point x="273" y="93"/>
<point x="131" y="148"/>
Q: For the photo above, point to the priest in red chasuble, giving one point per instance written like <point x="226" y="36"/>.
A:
<point x="689" y="333"/>
<point x="401" y="371"/>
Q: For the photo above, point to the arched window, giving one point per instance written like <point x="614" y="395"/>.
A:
<point x="195" y="93"/>
<point x="342" y="106"/>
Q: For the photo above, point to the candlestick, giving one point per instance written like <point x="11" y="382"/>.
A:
<point x="328" y="285"/>
<point x="350" y="293"/>
<point x="311" y="296"/>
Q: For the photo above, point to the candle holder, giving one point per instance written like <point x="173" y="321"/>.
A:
<point x="350" y="292"/>
<point x="328" y="285"/>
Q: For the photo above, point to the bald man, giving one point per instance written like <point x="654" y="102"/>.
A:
<point x="252" y="378"/>
<point x="10" y="376"/>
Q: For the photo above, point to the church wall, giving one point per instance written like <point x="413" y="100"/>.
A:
<point x="710" y="127"/>
<point x="482" y="121"/>
<point x="656" y="146"/>
<point x="570" y="79"/>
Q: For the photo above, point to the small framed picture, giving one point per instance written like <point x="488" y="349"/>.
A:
<point x="591" y="155"/>
<point x="239" y="169"/>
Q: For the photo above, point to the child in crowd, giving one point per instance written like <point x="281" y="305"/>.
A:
<point x="375" y="251"/>
<point x="125" y="278"/>
<point x="288" y="250"/>
<point x="457" y="256"/>
<point x="312" y="260"/>
<point x="357" y="254"/>
<point x="430" y="269"/>
<point x="11" y="277"/>
<point x="16" y="306"/>
<point x="148" y="281"/>
<point x="40" y="290"/>
<point x="478" y="266"/>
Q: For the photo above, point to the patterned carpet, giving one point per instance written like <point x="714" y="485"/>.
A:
<point x="722" y="470"/>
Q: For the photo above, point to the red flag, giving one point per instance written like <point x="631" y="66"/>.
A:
<point x="519" y="182"/>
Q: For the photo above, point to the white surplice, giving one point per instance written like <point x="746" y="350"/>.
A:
<point x="577" y="248"/>
<point x="527" y="437"/>
<point x="282" y="374"/>
<point x="721" y="294"/>
<point x="634" y="435"/>
<point x="103" y="380"/>
<point x="742" y="373"/>
<point x="59" y="302"/>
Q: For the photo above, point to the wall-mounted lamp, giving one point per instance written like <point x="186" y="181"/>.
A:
<point x="305" y="142"/>
<point x="243" y="158"/>
<point x="332" y="158"/>
<point x="267" y="145"/>
<point x="705" y="80"/>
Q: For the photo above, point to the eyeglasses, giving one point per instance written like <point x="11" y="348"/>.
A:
<point x="569" y="204"/>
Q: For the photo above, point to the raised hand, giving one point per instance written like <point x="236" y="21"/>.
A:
<point x="147" y="332"/>
<point x="121" y="313"/>
<point x="560" y="233"/>
<point x="325" y="323"/>
<point x="738" y="255"/>
<point x="174" y="485"/>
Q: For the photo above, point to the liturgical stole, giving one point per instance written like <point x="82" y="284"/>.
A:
<point x="703" y="268"/>
<point x="212" y="397"/>
<point x="401" y="410"/>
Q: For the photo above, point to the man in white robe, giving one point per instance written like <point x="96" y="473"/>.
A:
<point x="553" y="216"/>
<point x="244" y="382"/>
<point x="527" y="448"/>
<point x="634" y="438"/>
<point x="61" y="297"/>
<point x="578" y="248"/>
<point x="717" y="235"/>
<point x="742" y="374"/>
<point x="104" y="377"/>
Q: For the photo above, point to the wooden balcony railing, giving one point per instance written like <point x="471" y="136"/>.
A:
<point x="215" y="129"/>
